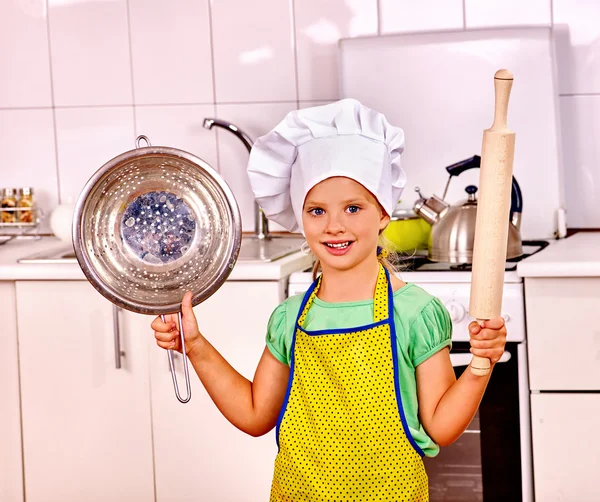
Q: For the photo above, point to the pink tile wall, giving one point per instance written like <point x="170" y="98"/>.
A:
<point x="82" y="79"/>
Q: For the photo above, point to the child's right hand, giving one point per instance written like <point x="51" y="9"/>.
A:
<point x="167" y="333"/>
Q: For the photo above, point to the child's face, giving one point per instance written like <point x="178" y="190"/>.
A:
<point x="342" y="221"/>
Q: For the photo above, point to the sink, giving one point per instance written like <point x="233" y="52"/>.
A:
<point x="267" y="250"/>
<point x="251" y="250"/>
<point x="64" y="254"/>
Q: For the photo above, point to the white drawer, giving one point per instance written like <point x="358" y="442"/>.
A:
<point x="563" y="333"/>
<point x="565" y="447"/>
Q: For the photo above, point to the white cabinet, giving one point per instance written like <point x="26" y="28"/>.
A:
<point x="11" y="465"/>
<point x="565" y="446"/>
<point x="86" y="424"/>
<point x="94" y="432"/>
<point x="199" y="456"/>
<point x="563" y="333"/>
<point x="564" y="355"/>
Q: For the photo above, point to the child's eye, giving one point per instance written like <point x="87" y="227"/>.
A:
<point x="353" y="209"/>
<point x="316" y="211"/>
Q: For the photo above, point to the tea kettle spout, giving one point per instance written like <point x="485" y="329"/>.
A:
<point x="430" y="209"/>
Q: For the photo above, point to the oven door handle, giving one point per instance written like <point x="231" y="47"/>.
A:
<point x="464" y="359"/>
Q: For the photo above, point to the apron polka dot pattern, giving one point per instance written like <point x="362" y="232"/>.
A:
<point x="341" y="435"/>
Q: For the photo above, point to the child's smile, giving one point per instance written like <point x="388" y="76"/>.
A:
<point x="338" y="248"/>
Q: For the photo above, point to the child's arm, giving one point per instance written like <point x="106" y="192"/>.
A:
<point x="447" y="405"/>
<point x="252" y="407"/>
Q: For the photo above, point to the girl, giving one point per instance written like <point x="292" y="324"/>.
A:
<point x="356" y="373"/>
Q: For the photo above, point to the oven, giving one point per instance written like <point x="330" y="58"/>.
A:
<point x="491" y="461"/>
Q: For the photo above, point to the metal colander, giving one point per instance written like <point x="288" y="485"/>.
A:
<point x="154" y="223"/>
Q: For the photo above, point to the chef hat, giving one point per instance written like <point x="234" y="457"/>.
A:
<point x="343" y="138"/>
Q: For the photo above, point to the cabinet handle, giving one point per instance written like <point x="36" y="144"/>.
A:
<point x="118" y="352"/>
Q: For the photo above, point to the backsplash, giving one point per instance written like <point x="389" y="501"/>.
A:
<point x="82" y="79"/>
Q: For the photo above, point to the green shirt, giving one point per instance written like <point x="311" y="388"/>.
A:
<point x="423" y="327"/>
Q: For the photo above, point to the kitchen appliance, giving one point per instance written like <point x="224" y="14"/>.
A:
<point x="443" y="123"/>
<point x="492" y="459"/>
<point x="151" y="224"/>
<point x="453" y="225"/>
<point x="407" y="232"/>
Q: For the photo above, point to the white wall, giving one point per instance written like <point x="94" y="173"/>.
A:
<point x="80" y="79"/>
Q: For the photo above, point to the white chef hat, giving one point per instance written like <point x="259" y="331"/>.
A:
<point x="343" y="138"/>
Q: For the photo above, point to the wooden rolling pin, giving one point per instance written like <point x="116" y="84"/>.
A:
<point x="493" y="207"/>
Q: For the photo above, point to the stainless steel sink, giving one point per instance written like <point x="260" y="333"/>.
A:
<point x="252" y="250"/>
<point x="63" y="254"/>
<point x="267" y="250"/>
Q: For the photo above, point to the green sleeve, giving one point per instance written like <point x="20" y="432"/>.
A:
<point x="276" y="334"/>
<point x="430" y="332"/>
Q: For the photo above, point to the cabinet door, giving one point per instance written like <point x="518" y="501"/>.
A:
<point x="86" y="424"/>
<point x="562" y="333"/>
<point x="199" y="455"/>
<point x="565" y="446"/>
<point x="11" y="462"/>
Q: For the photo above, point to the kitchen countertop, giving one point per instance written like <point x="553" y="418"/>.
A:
<point x="575" y="256"/>
<point x="11" y="270"/>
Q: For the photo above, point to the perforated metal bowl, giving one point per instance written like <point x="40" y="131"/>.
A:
<point x="153" y="223"/>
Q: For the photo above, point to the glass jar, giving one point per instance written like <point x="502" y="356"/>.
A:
<point x="8" y="204"/>
<point x="26" y="206"/>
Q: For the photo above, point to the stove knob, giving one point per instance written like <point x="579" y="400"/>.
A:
<point x="456" y="310"/>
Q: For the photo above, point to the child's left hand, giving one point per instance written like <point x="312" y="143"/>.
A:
<point x="488" y="341"/>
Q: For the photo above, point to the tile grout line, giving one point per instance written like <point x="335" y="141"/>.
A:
<point x="295" y="45"/>
<point x="214" y="79"/>
<point x="129" y="38"/>
<point x="378" y="17"/>
<point x="464" y="14"/>
<point x="149" y="105"/>
<point x="52" y="100"/>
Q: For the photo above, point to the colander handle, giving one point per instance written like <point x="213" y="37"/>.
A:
<point x="185" y="364"/>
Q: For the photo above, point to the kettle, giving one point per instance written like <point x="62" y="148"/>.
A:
<point x="453" y="226"/>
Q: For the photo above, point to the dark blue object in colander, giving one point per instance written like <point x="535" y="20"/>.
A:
<point x="158" y="226"/>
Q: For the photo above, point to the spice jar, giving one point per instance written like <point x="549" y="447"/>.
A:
<point x="8" y="204"/>
<point x="26" y="206"/>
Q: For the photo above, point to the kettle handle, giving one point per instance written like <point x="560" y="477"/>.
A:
<point x="516" y="197"/>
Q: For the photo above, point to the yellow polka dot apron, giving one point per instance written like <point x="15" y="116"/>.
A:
<point x="342" y="433"/>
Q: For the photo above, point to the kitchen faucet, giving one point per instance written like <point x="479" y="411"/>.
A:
<point x="261" y="223"/>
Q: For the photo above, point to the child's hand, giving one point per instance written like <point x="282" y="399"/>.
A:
<point x="488" y="341"/>
<point x="167" y="333"/>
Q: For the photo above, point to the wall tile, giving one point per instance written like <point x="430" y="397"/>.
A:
<point x="87" y="138"/>
<point x="29" y="154"/>
<point x="309" y="104"/>
<point x="580" y="116"/>
<point x="399" y="16"/>
<point x="89" y="45"/>
<point x="577" y="33"/>
<point x="253" y="50"/>
<point x="24" y="56"/>
<point x="255" y="120"/>
<point x="171" y="51"/>
<point x="179" y="127"/>
<point x="492" y="13"/>
<point x="319" y="26"/>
